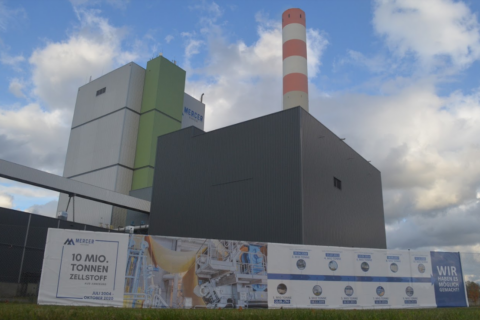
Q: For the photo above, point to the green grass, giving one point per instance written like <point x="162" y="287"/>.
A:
<point x="32" y="311"/>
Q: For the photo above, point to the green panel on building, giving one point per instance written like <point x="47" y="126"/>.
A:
<point x="161" y="113"/>
<point x="142" y="177"/>
<point x="164" y="88"/>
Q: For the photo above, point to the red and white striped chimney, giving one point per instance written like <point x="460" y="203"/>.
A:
<point x="295" y="76"/>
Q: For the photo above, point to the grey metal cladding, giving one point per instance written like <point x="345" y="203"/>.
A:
<point x="268" y="179"/>
<point x="241" y="182"/>
<point x="352" y="216"/>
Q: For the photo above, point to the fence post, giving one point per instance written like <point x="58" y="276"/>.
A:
<point x="24" y="247"/>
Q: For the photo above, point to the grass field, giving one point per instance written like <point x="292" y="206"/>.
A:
<point x="32" y="311"/>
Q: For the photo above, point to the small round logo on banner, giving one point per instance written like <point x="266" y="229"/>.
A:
<point x="380" y="291"/>
<point x="394" y="267"/>
<point x="409" y="291"/>
<point x="348" y="291"/>
<point x="333" y="265"/>
<point x="365" y="267"/>
<point x="301" y="264"/>
<point x="282" y="288"/>
<point x="421" y="268"/>
<point x="317" y="290"/>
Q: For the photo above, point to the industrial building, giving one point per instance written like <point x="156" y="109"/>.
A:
<point x="112" y="142"/>
<point x="283" y="177"/>
<point x="137" y="137"/>
<point x="280" y="178"/>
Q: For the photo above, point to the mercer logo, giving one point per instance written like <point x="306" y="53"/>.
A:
<point x="69" y="242"/>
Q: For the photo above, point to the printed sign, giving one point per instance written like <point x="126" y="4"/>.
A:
<point x="83" y="268"/>
<point x="367" y="278"/>
<point x="141" y="271"/>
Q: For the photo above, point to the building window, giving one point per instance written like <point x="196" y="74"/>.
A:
<point x="99" y="92"/>
<point x="337" y="183"/>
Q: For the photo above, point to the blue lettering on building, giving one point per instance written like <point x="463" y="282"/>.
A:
<point x="381" y="301"/>
<point x="193" y="114"/>
<point x="332" y="255"/>
<point x="317" y="301"/>
<point x="349" y="301"/>
<point x="420" y="259"/>
<point x="410" y="301"/>
<point x="393" y="257"/>
<point x="364" y="256"/>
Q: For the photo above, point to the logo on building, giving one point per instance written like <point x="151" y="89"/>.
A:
<point x="69" y="242"/>
<point x="194" y="115"/>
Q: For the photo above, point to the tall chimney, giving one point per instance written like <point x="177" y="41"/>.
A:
<point x="295" y="76"/>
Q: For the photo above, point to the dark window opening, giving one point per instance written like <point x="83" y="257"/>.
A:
<point x="337" y="183"/>
<point x="289" y="16"/>
<point x="99" y="92"/>
<point x="300" y="16"/>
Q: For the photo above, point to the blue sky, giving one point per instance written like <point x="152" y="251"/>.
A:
<point x="398" y="79"/>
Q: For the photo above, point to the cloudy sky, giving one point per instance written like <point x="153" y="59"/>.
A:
<point x="398" y="79"/>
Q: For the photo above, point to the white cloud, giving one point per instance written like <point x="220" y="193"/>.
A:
<point x="47" y="209"/>
<point x="316" y="44"/>
<point x="24" y="190"/>
<point x="61" y="67"/>
<point x="34" y="137"/>
<point x="169" y="38"/>
<point x="426" y="147"/>
<point x="431" y="30"/>
<point x="6" y="201"/>
<point x="243" y="81"/>
<point x="16" y="86"/>
<point x="374" y="64"/>
<point x="10" y="16"/>
<point x="413" y="137"/>
<point x="119" y="4"/>
<point x="192" y="48"/>
<point x="12" y="61"/>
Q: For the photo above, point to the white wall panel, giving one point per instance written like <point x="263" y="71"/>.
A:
<point x="119" y="217"/>
<point x="123" y="182"/>
<point x="102" y="178"/>
<point x="135" y="93"/>
<point x="86" y="211"/>
<point x="129" y="139"/>
<point x="89" y="106"/>
<point x="114" y="178"/>
<point x="94" y="145"/>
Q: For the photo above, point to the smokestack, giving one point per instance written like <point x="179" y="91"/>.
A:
<point x="295" y="76"/>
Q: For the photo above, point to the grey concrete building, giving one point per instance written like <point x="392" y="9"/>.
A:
<point x="101" y="149"/>
<point x="112" y="142"/>
<point x="282" y="178"/>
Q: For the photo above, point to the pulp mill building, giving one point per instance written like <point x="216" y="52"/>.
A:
<point x="283" y="177"/>
<point x="138" y="155"/>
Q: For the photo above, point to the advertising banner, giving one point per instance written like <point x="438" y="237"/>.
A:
<point x="141" y="271"/>
<point x="331" y="277"/>
<point x="83" y="268"/>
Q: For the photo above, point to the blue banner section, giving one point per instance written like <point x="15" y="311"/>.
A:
<point x="310" y="277"/>
<point x="448" y="277"/>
